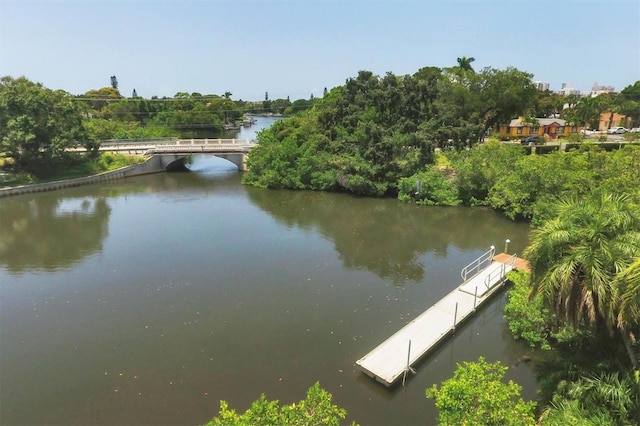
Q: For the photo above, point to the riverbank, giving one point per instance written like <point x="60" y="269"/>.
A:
<point x="151" y="165"/>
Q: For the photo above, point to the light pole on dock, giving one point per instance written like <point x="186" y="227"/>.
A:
<point x="506" y="246"/>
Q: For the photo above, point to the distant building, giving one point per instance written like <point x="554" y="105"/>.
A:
<point x="610" y="119"/>
<point x="597" y="89"/>
<point x="541" y="85"/>
<point x="548" y="128"/>
<point x="566" y="90"/>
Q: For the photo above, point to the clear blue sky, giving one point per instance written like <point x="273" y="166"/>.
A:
<point x="298" y="47"/>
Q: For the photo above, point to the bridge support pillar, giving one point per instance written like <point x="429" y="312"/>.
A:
<point x="237" y="158"/>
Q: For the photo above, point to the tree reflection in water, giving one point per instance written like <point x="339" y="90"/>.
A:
<point x="51" y="233"/>
<point x="390" y="236"/>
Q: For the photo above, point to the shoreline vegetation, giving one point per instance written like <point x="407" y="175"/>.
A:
<point x="107" y="162"/>
<point x="421" y="138"/>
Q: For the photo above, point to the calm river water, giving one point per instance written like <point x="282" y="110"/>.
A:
<point x="148" y="300"/>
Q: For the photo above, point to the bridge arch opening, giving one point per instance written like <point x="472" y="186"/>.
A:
<point x="178" y="165"/>
<point x="210" y="163"/>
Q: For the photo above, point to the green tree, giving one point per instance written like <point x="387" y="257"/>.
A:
<point x="480" y="168"/>
<point x="628" y="102"/>
<point x="98" y="99"/>
<point x="279" y="106"/>
<point x="357" y="139"/>
<point x="547" y="104"/>
<point x="476" y="395"/>
<point x="505" y="94"/>
<point x="534" y="182"/>
<point x="576" y="256"/>
<point x="464" y="63"/>
<point x="315" y="409"/>
<point x="587" y="110"/>
<point x="470" y="103"/>
<point x="456" y="120"/>
<point x="618" y="171"/>
<point x="37" y="125"/>
<point x="629" y="281"/>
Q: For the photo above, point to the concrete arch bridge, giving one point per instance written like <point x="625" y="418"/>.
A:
<point x="172" y="154"/>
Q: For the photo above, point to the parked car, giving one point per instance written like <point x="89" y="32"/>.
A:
<point x="635" y="130"/>
<point x="531" y="139"/>
<point x="618" y="130"/>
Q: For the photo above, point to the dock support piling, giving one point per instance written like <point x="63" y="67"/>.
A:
<point x="455" y="317"/>
<point x="475" y="297"/>
<point x="408" y="367"/>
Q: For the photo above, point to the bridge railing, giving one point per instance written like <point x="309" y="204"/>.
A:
<point x="133" y="142"/>
<point x="195" y="149"/>
<point x="166" y="143"/>
<point x="208" y="141"/>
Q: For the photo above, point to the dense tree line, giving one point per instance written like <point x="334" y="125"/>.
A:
<point x="113" y="116"/>
<point x="525" y="186"/>
<point x="39" y="126"/>
<point x="364" y="136"/>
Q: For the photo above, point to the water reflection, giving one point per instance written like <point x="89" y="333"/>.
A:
<point x="48" y="232"/>
<point x="385" y="236"/>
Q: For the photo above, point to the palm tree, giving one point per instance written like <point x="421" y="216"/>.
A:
<point x="464" y="63"/>
<point x="599" y="399"/>
<point x="629" y="278"/>
<point x="577" y="256"/>
<point x="629" y="314"/>
<point x="586" y="110"/>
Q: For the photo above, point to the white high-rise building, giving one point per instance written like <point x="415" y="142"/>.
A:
<point x="541" y="85"/>
<point x="568" y="90"/>
<point x="597" y="89"/>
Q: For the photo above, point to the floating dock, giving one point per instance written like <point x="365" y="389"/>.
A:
<point x="394" y="357"/>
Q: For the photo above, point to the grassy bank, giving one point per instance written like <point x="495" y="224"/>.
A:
<point x="105" y="162"/>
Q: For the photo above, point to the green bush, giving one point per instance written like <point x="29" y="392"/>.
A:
<point x="315" y="409"/>
<point x="574" y="137"/>
<point x="429" y="188"/>
<point x="477" y="396"/>
<point x="527" y="317"/>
